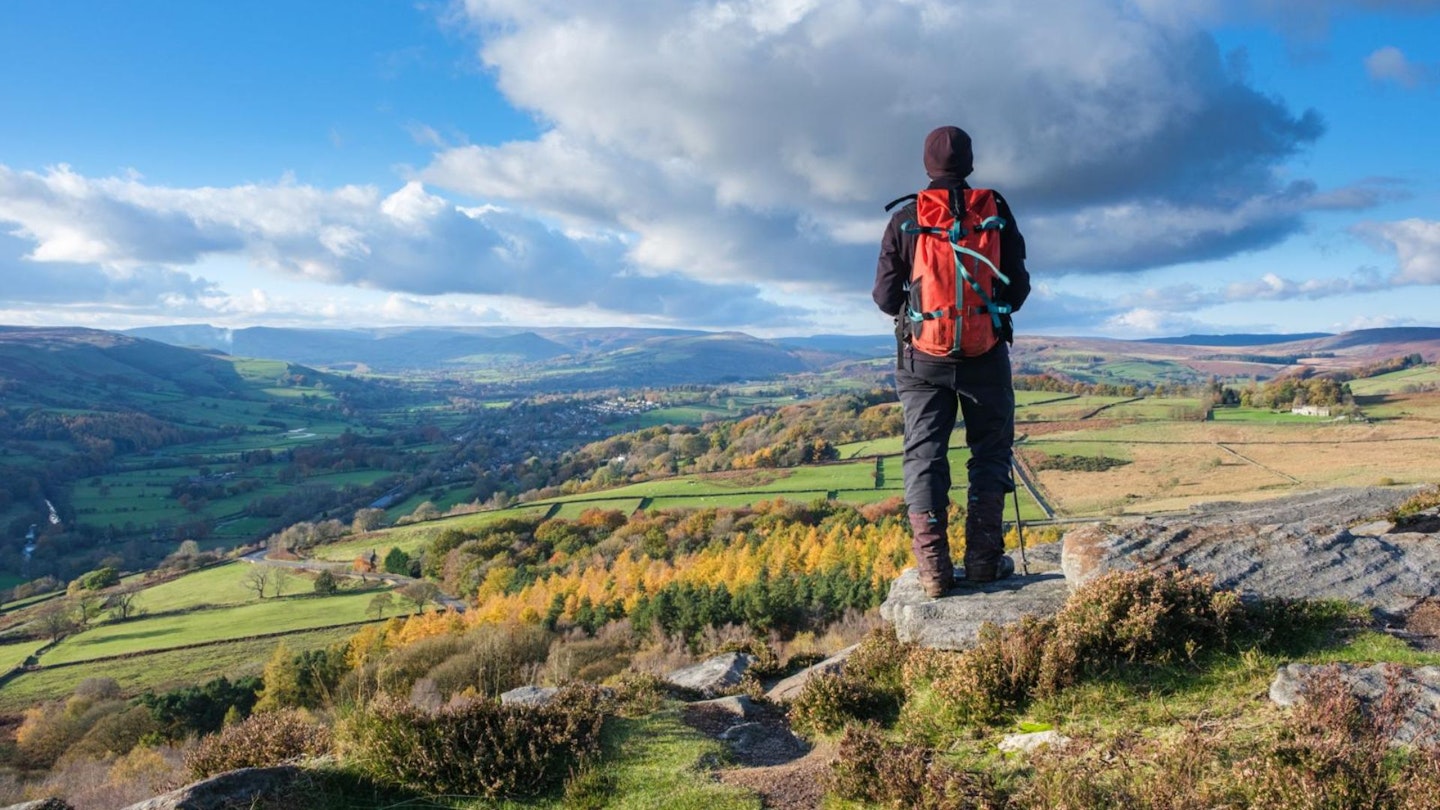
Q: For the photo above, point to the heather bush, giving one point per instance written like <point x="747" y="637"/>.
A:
<point x="1117" y="619"/>
<point x="401" y="668"/>
<point x="50" y="729"/>
<point x="260" y="740"/>
<point x="473" y="747"/>
<point x="1330" y="751"/>
<point x="870" y="687"/>
<point x="1138" y="615"/>
<point x="869" y="768"/>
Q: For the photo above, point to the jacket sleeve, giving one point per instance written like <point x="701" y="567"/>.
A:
<point x="892" y="270"/>
<point x="1012" y="258"/>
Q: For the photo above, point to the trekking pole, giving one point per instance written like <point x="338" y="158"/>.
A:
<point x="1019" y="526"/>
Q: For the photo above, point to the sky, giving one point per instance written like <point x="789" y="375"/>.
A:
<point x="1176" y="166"/>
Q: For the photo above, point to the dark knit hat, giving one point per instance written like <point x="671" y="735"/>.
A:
<point x="948" y="154"/>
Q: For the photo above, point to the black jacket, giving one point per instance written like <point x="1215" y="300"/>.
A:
<point x="897" y="253"/>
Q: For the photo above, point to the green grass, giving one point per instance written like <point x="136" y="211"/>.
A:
<point x="162" y="670"/>
<point x="221" y="585"/>
<point x="412" y="537"/>
<point x="1264" y="416"/>
<point x="1397" y="381"/>
<point x="647" y="763"/>
<point x="573" y="509"/>
<point x="13" y="655"/>
<point x="163" y="632"/>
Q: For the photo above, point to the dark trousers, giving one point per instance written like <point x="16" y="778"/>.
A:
<point x="931" y="393"/>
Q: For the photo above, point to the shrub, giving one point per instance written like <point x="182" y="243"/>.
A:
<point x="868" y="768"/>
<point x="475" y="747"/>
<point x="870" y="687"/>
<point x="1406" y="512"/>
<point x="200" y="709"/>
<point x="399" y="670"/>
<point x="1116" y="619"/>
<point x="1327" y="753"/>
<point x="259" y="741"/>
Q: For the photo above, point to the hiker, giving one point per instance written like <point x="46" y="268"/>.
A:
<point x="951" y="271"/>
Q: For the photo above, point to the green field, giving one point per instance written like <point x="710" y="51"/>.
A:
<point x="165" y="632"/>
<point x="221" y="585"/>
<point x="1263" y="416"/>
<point x="412" y="537"/>
<point x="162" y="670"/>
<point x="1396" y="382"/>
<point x="13" y="655"/>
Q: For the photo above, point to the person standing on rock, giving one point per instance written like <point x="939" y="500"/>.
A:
<point x="951" y="272"/>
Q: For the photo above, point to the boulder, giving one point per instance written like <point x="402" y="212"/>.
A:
<point x="757" y="734"/>
<point x="791" y="687"/>
<point x="713" y="676"/>
<point x="1033" y="741"/>
<point x="953" y="621"/>
<point x="1369" y="683"/>
<point x="529" y="696"/>
<point x="758" y="743"/>
<point x="1323" y="545"/>
<point x="51" y="803"/>
<point x="239" y="788"/>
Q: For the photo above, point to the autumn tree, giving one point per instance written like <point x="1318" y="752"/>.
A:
<point x="257" y="579"/>
<point x="381" y="603"/>
<point x="326" y="584"/>
<point x="420" y="594"/>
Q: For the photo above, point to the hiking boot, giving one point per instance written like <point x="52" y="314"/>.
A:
<point x="990" y="573"/>
<point x="985" y="559"/>
<point x="931" y="544"/>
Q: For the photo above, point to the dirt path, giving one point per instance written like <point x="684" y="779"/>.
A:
<point x="796" y="785"/>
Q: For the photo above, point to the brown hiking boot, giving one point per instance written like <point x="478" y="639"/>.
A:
<point x="931" y="544"/>
<point x="985" y="558"/>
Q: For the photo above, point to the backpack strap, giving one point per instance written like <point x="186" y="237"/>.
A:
<point x="899" y="200"/>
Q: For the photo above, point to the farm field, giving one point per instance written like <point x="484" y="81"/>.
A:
<point x="1177" y="464"/>
<point x="159" y="671"/>
<point x="219" y="624"/>
<point x="1397" y="382"/>
<point x="220" y="585"/>
<point x="412" y="537"/>
<point x="13" y="655"/>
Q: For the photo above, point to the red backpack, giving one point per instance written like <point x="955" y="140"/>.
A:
<point x="951" y="309"/>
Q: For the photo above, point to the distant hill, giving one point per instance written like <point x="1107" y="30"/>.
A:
<point x="81" y="367"/>
<point x="376" y="349"/>
<point x="1237" y="339"/>
<point x="561" y="357"/>
<point x="553" y="357"/>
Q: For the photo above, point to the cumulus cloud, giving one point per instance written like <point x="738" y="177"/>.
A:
<point x="1416" y="244"/>
<point x="755" y="140"/>
<point x="1389" y="64"/>
<point x="408" y="241"/>
<point x="52" y="283"/>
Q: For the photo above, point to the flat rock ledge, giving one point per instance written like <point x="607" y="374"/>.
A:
<point x="791" y="687"/>
<point x="953" y="621"/>
<point x="1368" y="683"/>
<point x="713" y="676"/>
<point x="1322" y="545"/>
<point x="241" y="788"/>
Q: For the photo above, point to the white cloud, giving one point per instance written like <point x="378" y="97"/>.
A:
<point x="1416" y="244"/>
<point x="1389" y="64"/>
<point x="756" y="140"/>
<point x="409" y="241"/>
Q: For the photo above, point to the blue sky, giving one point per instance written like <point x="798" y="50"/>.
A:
<point x="1176" y="165"/>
